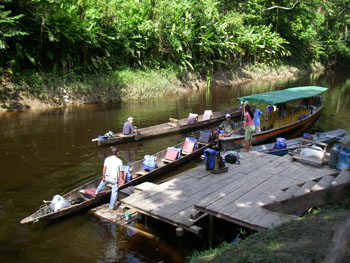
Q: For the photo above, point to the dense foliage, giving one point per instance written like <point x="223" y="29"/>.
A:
<point x="65" y="36"/>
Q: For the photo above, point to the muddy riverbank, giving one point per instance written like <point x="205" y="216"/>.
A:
<point x="44" y="91"/>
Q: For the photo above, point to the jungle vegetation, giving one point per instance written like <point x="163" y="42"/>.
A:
<point x="74" y="37"/>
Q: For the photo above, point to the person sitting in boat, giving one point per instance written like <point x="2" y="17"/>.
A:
<point x="57" y="203"/>
<point x="112" y="171"/>
<point x="226" y="128"/>
<point x="257" y="114"/>
<point x="128" y="128"/>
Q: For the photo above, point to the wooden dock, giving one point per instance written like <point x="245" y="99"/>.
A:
<point x="252" y="194"/>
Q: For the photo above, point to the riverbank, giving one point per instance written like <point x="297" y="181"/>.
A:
<point x="308" y="239"/>
<point x="43" y="90"/>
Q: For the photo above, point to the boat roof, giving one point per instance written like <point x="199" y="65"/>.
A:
<point x="281" y="96"/>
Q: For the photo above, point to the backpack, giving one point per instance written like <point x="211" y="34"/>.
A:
<point x="232" y="157"/>
<point x="209" y="156"/>
<point x="149" y="163"/>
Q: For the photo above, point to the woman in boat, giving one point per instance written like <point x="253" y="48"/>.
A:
<point x="249" y="127"/>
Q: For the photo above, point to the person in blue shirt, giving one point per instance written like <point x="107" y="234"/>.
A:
<point x="128" y="128"/>
<point x="257" y="114"/>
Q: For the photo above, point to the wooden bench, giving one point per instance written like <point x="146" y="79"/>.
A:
<point x="314" y="161"/>
<point x="141" y="173"/>
<point x="170" y="156"/>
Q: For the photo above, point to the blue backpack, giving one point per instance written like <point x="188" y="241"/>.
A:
<point x="128" y="177"/>
<point x="209" y="155"/>
<point x="149" y="163"/>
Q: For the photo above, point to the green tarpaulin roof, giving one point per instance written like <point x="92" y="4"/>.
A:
<point x="281" y="96"/>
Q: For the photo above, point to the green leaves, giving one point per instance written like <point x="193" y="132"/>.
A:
<point x="96" y="35"/>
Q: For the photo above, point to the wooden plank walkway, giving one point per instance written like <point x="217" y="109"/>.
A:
<point x="237" y="196"/>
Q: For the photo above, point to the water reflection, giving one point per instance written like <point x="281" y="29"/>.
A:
<point x="48" y="152"/>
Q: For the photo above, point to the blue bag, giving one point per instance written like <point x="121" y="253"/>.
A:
<point x="209" y="155"/>
<point x="128" y="177"/>
<point x="281" y="143"/>
<point x="149" y="163"/>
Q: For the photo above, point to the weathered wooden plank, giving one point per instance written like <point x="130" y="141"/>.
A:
<point x="272" y="219"/>
<point x="313" y="173"/>
<point x="236" y="188"/>
<point x="305" y="188"/>
<point x="324" y="183"/>
<point x="300" y="203"/>
<point x="290" y="192"/>
<point x="145" y="186"/>
<point x="343" y="177"/>
<point x="309" y="160"/>
<point x="263" y="194"/>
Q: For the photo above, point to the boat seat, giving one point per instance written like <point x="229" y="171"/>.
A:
<point x="188" y="147"/>
<point x="192" y="118"/>
<point x="89" y="192"/>
<point x="142" y="173"/>
<point x="171" y="155"/>
<point x="208" y="114"/>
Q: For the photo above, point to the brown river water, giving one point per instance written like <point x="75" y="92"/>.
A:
<point x="49" y="152"/>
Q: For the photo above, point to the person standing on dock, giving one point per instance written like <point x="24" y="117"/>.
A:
<point x="128" y="128"/>
<point x="112" y="171"/>
<point x="249" y="127"/>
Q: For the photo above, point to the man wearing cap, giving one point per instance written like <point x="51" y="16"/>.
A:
<point x="128" y="128"/>
<point x="112" y="170"/>
<point x="228" y="126"/>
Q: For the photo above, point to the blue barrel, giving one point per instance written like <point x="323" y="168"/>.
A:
<point x="343" y="162"/>
<point x="334" y="155"/>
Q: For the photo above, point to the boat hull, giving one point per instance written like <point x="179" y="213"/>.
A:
<point x="104" y="197"/>
<point x="228" y="143"/>
<point x="325" y="137"/>
<point x="163" y="129"/>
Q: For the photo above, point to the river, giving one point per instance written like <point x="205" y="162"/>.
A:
<point x="48" y="152"/>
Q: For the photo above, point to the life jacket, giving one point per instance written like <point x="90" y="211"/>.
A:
<point x="149" y="163"/>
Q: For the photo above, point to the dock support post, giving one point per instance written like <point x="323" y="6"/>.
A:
<point x="146" y="221"/>
<point x="180" y="232"/>
<point x="210" y="229"/>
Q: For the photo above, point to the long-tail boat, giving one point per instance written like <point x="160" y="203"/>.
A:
<point x="84" y="201"/>
<point x="173" y="126"/>
<point x="288" y="110"/>
<point x="327" y="137"/>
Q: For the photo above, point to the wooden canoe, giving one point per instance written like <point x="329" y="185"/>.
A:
<point x="237" y="140"/>
<point x="139" y="176"/>
<point x="166" y="128"/>
<point x="292" y="144"/>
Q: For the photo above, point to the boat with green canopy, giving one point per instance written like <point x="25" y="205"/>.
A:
<point x="289" y="111"/>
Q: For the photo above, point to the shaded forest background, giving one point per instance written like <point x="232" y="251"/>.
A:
<point x="73" y="38"/>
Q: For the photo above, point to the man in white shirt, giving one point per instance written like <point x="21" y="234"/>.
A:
<point x="112" y="169"/>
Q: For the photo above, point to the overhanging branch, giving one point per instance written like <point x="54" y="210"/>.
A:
<point x="281" y="7"/>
